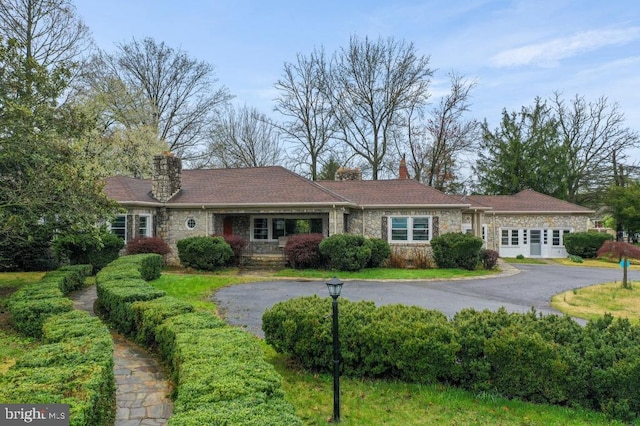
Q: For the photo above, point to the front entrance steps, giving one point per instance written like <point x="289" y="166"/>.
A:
<point x="263" y="261"/>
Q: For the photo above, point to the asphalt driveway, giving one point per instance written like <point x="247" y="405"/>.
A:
<point x="518" y="289"/>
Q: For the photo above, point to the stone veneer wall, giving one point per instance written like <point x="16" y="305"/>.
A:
<point x="577" y="223"/>
<point x="375" y="226"/>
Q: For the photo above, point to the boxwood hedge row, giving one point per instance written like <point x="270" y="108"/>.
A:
<point x="540" y="358"/>
<point x="220" y="374"/>
<point x="74" y="363"/>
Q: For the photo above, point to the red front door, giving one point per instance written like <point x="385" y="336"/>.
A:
<point x="227" y="226"/>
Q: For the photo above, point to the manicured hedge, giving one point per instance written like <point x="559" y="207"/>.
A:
<point x="220" y="372"/>
<point x="32" y="304"/>
<point x="74" y="365"/>
<point x="457" y="250"/>
<point x="540" y="358"/>
<point x="584" y="244"/>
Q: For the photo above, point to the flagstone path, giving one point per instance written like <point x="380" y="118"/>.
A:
<point x="142" y="389"/>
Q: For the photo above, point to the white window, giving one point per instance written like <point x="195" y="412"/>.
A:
<point x="410" y="229"/>
<point x="557" y="238"/>
<point x="145" y="229"/>
<point x="509" y="237"/>
<point x="119" y="226"/>
<point x="270" y="228"/>
<point x="190" y="223"/>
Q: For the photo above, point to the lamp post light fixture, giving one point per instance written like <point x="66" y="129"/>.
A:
<point x="335" y="286"/>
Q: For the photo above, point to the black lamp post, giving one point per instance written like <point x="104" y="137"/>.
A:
<point x="335" y="286"/>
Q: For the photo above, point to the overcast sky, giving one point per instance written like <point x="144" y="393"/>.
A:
<point x="516" y="50"/>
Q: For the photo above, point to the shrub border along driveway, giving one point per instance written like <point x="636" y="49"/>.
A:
<point x="518" y="289"/>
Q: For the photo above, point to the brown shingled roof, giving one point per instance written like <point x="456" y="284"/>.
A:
<point x="243" y="186"/>
<point x="397" y="192"/>
<point x="526" y="201"/>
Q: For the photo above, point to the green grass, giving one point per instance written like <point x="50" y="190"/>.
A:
<point x="384" y="273"/>
<point x="380" y="402"/>
<point x="196" y="288"/>
<point x="594" y="301"/>
<point x="525" y="260"/>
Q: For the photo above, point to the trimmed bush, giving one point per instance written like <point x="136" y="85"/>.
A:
<point x="141" y="245"/>
<point x="401" y="342"/>
<point x="456" y="250"/>
<point x="150" y="314"/>
<point x="303" y="251"/>
<point x="237" y="244"/>
<point x="204" y="253"/>
<point x="380" y="252"/>
<point x="346" y="252"/>
<point x="489" y="258"/>
<point x="585" y="244"/>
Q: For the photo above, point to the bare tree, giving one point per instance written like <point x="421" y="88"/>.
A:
<point x="309" y="122"/>
<point x="178" y="94"/>
<point x="49" y="31"/>
<point x="595" y="140"/>
<point x="370" y="84"/>
<point x="244" y="138"/>
<point x="436" y="144"/>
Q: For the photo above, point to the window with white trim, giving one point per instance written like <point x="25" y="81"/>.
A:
<point x="145" y="226"/>
<point x="190" y="223"/>
<point x="268" y="228"/>
<point x="410" y="229"/>
<point x="557" y="238"/>
<point x="119" y="226"/>
<point x="509" y="237"/>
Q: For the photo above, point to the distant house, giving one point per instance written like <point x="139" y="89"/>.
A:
<point x="265" y="205"/>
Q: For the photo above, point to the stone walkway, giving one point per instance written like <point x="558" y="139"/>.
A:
<point x="141" y="386"/>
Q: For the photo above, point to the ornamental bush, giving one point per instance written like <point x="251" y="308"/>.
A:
<point x="489" y="258"/>
<point x="457" y="250"/>
<point x="585" y="244"/>
<point x="303" y="251"/>
<point x="380" y="252"/>
<point x="237" y="244"/>
<point x="204" y="253"/>
<point x="346" y="252"/>
<point x="148" y="245"/>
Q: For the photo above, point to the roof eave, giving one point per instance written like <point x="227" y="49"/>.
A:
<point x="543" y="211"/>
<point x="414" y="206"/>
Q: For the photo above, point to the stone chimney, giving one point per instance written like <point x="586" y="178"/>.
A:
<point x="403" y="172"/>
<point x="167" y="171"/>
<point x="347" y="173"/>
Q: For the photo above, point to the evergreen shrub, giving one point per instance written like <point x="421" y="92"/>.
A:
<point x="457" y="250"/>
<point x="346" y="252"/>
<point x="148" y="245"/>
<point x="380" y="252"/>
<point x="204" y="253"/>
<point x="585" y="244"/>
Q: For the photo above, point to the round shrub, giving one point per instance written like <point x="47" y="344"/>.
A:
<point x="346" y="252"/>
<point x="303" y="251"/>
<point x="457" y="250"/>
<point x="380" y="252"/>
<point x="204" y="253"/>
<point x="489" y="258"/>
<point x="237" y="244"/>
<point x="585" y="244"/>
<point x="148" y="245"/>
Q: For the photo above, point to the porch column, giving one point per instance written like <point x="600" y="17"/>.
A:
<point x="336" y="221"/>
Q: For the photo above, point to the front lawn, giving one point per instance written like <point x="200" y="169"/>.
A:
<point x="378" y="401"/>
<point x="385" y="273"/>
<point x="594" y="301"/>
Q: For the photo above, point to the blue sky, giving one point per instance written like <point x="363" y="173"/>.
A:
<point x="516" y="50"/>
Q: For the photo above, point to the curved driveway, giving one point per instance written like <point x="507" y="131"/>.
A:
<point x="516" y="289"/>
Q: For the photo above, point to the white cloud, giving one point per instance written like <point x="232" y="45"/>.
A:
<point x="549" y="54"/>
